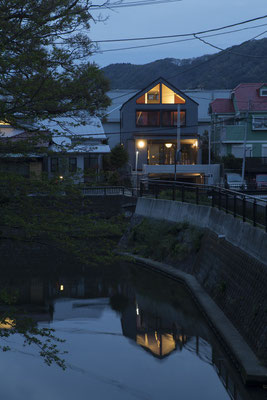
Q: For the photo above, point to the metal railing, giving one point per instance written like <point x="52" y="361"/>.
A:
<point x="109" y="191"/>
<point x="249" y="208"/>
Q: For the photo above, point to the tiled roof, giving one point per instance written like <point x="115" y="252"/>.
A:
<point x="248" y="97"/>
<point x="222" y="106"/>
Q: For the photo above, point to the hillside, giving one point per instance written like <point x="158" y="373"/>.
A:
<point x="224" y="70"/>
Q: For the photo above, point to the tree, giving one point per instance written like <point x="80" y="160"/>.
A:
<point x="115" y="165"/>
<point x="44" y="67"/>
<point x="45" y="75"/>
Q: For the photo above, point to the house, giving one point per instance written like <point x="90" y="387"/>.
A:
<point x="240" y="120"/>
<point x="148" y="129"/>
<point x="64" y="148"/>
<point x="76" y="149"/>
<point x="22" y="152"/>
<point x="118" y="97"/>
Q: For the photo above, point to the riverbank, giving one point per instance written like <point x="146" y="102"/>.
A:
<point x="235" y="280"/>
<point x="251" y="369"/>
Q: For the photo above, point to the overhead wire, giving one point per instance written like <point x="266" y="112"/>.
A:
<point x="111" y="6"/>
<point x="182" y="34"/>
<point x="180" y="40"/>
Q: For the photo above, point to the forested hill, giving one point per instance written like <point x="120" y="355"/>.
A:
<point x="224" y="70"/>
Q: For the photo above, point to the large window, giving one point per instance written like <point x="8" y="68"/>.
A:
<point x="157" y="118"/>
<point x="160" y="94"/>
<point x="169" y="118"/>
<point x="147" y="118"/>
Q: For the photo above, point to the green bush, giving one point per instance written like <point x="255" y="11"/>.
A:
<point x="164" y="241"/>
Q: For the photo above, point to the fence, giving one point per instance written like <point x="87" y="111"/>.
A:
<point x="240" y="205"/>
<point x="109" y="191"/>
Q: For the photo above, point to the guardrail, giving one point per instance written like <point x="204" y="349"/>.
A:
<point x="241" y="205"/>
<point x="109" y="191"/>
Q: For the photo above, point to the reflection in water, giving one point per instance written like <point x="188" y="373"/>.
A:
<point x="155" y="314"/>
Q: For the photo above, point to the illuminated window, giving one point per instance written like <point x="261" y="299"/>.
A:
<point x="151" y="97"/>
<point x="170" y="97"/>
<point x="4" y="123"/>
<point x="160" y="93"/>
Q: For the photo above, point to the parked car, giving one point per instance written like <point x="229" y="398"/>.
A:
<point x="233" y="181"/>
<point x="261" y="181"/>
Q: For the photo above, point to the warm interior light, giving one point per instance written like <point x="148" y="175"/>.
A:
<point x="195" y="144"/>
<point x="168" y="145"/>
<point x="61" y="288"/>
<point x="140" y="144"/>
<point x="61" y="177"/>
<point x="7" y="323"/>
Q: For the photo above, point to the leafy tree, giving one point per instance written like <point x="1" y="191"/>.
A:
<point x="231" y="162"/>
<point x="45" y="75"/>
<point x="44" y="68"/>
<point x="13" y="322"/>
<point x="115" y="165"/>
<point x="118" y="157"/>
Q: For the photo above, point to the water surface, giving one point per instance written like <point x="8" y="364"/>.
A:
<point x="129" y="334"/>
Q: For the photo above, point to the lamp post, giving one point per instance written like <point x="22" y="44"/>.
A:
<point x="177" y="154"/>
<point x="140" y="144"/>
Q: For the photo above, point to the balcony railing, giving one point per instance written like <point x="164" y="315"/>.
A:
<point x="232" y="132"/>
<point x="256" y="164"/>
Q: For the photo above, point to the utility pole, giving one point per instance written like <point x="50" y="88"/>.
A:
<point x="209" y="145"/>
<point x="178" y="140"/>
<point x="245" y="148"/>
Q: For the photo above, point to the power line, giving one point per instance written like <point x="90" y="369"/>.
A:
<point x="131" y="4"/>
<point x="209" y="59"/>
<point x="182" y="34"/>
<point x="177" y="41"/>
<point x="232" y="52"/>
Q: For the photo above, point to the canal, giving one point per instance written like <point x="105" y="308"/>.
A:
<point x="129" y="334"/>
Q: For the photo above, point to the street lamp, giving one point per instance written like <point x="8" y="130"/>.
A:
<point x="140" y="144"/>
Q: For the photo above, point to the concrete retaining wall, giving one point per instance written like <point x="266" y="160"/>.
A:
<point x="248" y="238"/>
<point x="231" y="264"/>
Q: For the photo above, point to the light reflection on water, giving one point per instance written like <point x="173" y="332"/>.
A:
<point x="129" y="335"/>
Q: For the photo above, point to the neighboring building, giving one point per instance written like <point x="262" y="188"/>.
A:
<point x="243" y="118"/>
<point x="64" y="148"/>
<point x="78" y="149"/>
<point x="14" y="157"/>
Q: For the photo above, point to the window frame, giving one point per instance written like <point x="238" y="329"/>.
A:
<point x="71" y="169"/>
<point x="174" y="125"/>
<point x="263" y="118"/>
<point x="148" y="125"/>
<point x="54" y="168"/>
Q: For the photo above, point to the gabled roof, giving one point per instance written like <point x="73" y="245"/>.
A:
<point x="154" y="83"/>
<point x="222" y="106"/>
<point x="247" y="96"/>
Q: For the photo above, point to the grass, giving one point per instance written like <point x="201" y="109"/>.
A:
<point x="164" y="241"/>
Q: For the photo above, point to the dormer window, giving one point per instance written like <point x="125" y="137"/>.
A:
<point x="263" y="91"/>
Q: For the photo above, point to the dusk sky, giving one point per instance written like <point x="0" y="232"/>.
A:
<point x="179" y="17"/>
